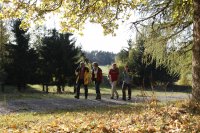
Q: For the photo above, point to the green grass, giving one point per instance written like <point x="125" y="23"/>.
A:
<point x="35" y="92"/>
<point x="105" y="69"/>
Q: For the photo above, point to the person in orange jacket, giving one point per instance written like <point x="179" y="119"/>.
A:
<point x="82" y="73"/>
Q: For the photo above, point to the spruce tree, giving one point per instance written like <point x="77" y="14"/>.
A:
<point x="59" y="57"/>
<point x="22" y="59"/>
<point x="3" y="40"/>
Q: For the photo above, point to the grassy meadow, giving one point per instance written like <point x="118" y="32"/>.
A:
<point x="35" y="92"/>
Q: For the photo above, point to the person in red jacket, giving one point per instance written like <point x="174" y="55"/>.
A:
<point x="97" y="78"/>
<point x="113" y="77"/>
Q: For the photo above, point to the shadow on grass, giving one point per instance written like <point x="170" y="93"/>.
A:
<point x="136" y="108"/>
<point x="33" y="100"/>
<point x="11" y="93"/>
<point x="126" y="108"/>
<point x="172" y="88"/>
<point x="13" y="89"/>
<point x="58" y="104"/>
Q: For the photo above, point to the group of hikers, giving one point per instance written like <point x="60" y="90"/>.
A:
<point x="83" y="78"/>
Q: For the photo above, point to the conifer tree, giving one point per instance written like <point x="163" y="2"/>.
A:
<point x="59" y="57"/>
<point x="3" y="40"/>
<point x="22" y="60"/>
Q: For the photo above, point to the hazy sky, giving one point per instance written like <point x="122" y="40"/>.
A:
<point x="94" y="39"/>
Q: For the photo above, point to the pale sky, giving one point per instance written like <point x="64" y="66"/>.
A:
<point x="94" y="39"/>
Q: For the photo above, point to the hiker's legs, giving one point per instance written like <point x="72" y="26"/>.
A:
<point x="124" y="91"/>
<point x="114" y="90"/>
<point x="97" y="88"/>
<point x="86" y="91"/>
<point x="78" y="88"/>
<point x="129" y="91"/>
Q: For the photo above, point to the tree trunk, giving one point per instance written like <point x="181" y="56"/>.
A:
<point x="19" y="87"/>
<point x="43" y="88"/>
<point x="75" y="86"/>
<point x="24" y="87"/>
<point x="47" y="89"/>
<point x="59" y="89"/>
<point x="63" y="88"/>
<point x="2" y="88"/>
<point x="196" y="53"/>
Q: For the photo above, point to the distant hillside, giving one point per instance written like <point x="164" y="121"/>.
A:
<point x="102" y="57"/>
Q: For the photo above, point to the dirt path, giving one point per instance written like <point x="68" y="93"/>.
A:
<point x="48" y="105"/>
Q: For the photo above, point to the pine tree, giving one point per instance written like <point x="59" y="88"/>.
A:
<point x="3" y="40"/>
<point x="59" y="57"/>
<point x="22" y="59"/>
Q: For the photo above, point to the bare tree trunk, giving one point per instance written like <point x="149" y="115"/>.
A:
<point x="47" y="89"/>
<point x="43" y="88"/>
<point x="24" y="86"/>
<point x="63" y="88"/>
<point x="196" y="53"/>
<point x="19" y="87"/>
<point x="2" y="88"/>
<point x="59" y="89"/>
<point x="75" y="86"/>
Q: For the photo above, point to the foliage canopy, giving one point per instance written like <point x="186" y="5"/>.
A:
<point x="73" y="13"/>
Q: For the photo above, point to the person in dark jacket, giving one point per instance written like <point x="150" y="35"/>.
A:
<point x="97" y="78"/>
<point x="82" y="73"/>
<point x="127" y="78"/>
